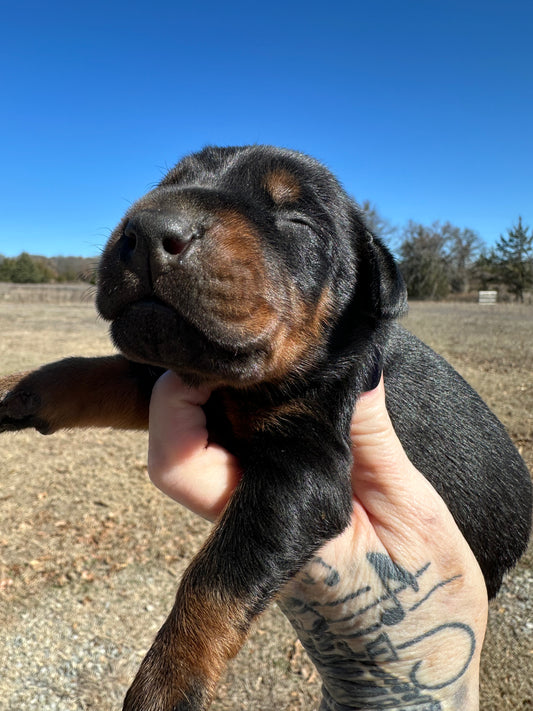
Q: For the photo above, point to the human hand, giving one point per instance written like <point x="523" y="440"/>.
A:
<point x="393" y="611"/>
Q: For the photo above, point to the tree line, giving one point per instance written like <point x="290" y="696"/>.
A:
<point x="442" y="259"/>
<point x="435" y="260"/>
<point x="33" y="269"/>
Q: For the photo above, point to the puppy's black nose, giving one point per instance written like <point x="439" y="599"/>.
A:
<point x="155" y="237"/>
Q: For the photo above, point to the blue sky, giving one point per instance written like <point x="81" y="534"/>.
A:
<point x="424" y="107"/>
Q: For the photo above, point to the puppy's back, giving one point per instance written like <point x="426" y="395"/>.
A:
<point x="461" y="447"/>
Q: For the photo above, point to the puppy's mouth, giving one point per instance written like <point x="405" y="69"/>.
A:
<point x="152" y="331"/>
<point x="151" y="304"/>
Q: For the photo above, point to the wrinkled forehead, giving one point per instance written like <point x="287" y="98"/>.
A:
<point x="286" y="178"/>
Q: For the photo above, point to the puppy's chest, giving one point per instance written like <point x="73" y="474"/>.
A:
<point x="243" y="418"/>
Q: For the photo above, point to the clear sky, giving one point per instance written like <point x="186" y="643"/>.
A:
<point x="424" y="107"/>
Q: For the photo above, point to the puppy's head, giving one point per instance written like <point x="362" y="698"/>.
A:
<point x="239" y="265"/>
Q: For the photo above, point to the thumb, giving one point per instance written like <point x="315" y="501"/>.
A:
<point x="377" y="451"/>
<point x="383" y="478"/>
<point x="404" y="509"/>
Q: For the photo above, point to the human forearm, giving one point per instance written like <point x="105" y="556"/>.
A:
<point x="384" y="643"/>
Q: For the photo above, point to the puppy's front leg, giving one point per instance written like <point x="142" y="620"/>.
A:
<point x="291" y="499"/>
<point x="78" y="392"/>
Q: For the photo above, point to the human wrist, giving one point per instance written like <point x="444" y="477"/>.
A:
<point x="395" y="637"/>
<point x="465" y="698"/>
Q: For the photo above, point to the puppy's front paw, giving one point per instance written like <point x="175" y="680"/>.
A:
<point x="20" y="404"/>
<point x="161" y="685"/>
<point x="190" y="652"/>
<point x="148" y="698"/>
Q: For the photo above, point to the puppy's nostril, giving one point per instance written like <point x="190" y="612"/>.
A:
<point x="129" y="237"/>
<point x="173" y="246"/>
<point x="130" y="242"/>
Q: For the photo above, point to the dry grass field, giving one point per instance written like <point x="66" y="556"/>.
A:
<point x="90" y="552"/>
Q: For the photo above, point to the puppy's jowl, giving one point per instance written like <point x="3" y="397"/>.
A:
<point x="249" y="269"/>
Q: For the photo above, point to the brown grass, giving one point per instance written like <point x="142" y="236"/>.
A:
<point x="86" y="540"/>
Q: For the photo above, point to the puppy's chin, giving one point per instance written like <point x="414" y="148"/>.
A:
<point x="149" y="331"/>
<point x="142" y="331"/>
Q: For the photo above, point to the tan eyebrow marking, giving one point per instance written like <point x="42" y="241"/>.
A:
<point x="282" y="186"/>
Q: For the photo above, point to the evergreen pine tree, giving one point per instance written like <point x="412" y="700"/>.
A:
<point x="514" y="259"/>
<point x="26" y="270"/>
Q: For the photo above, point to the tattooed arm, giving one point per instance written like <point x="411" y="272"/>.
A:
<point x="393" y="611"/>
<point x="376" y="647"/>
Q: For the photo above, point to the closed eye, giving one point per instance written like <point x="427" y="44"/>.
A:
<point x="301" y="221"/>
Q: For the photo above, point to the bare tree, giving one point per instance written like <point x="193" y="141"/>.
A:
<point x="378" y="224"/>
<point x="437" y="259"/>
<point x="424" y="261"/>
<point x="464" y="247"/>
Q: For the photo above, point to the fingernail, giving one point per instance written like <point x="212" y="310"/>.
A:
<point x="375" y="374"/>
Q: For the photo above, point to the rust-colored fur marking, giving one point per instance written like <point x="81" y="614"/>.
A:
<point x="80" y="392"/>
<point x="295" y="341"/>
<point x="276" y="417"/>
<point x="202" y="633"/>
<point x="237" y="274"/>
<point x="249" y="416"/>
<point x="282" y="186"/>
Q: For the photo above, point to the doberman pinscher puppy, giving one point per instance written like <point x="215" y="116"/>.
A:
<point x="250" y="270"/>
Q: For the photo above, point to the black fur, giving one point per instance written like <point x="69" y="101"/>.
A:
<point x="251" y="270"/>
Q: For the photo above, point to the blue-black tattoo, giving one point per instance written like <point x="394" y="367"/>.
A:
<point x="353" y="639"/>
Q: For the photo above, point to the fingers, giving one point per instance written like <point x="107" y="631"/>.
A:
<point x="181" y="461"/>
<point x="202" y="476"/>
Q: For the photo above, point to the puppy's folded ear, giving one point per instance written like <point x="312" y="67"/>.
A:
<point x="381" y="291"/>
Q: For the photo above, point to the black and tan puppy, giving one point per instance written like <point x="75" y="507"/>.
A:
<point x="249" y="269"/>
